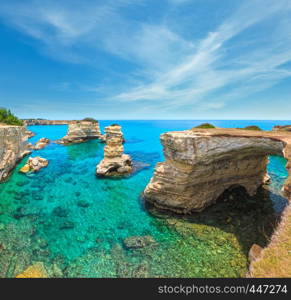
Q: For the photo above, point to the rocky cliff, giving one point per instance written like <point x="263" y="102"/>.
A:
<point x="13" y="147"/>
<point x="81" y="131"/>
<point x="115" y="162"/>
<point x="284" y="127"/>
<point x="202" y="163"/>
<point x="29" y="122"/>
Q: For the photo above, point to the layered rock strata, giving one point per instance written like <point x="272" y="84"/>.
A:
<point x="34" y="164"/>
<point x="43" y="142"/>
<point x="30" y="122"/>
<point x="29" y="133"/>
<point x="13" y="147"/>
<point x="202" y="163"/>
<point x="284" y="127"/>
<point x="81" y="131"/>
<point x="115" y="162"/>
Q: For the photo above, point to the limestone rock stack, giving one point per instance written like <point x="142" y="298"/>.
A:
<point x="202" y="163"/>
<point x="34" y="164"/>
<point x="43" y="142"/>
<point x="115" y="162"/>
<point x="81" y="131"/>
<point x="13" y="147"/>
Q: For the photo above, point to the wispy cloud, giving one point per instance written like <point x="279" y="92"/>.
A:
<point x="210" y="69"/>
<point x="164" y="68"/>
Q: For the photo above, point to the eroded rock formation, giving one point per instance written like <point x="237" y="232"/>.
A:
<point x="81" y="131"/>
<point x="30" y="122"/>
<point x="29" y="133"/>
<point x="43" y="142"/>
<point x="34" y="164"/>
<point x="202" y="163"/>
<point x="115" y="162"/>
<point x="284" y="127"/>
<point x="13" y="147"/>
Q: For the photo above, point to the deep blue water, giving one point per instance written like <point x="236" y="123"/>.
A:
<point x="43" y="218"/>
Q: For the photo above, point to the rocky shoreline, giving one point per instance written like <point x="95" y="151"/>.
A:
<point x="31" y="122"/>
<point x="200" y="165"/>
<point x="14" y="146"/>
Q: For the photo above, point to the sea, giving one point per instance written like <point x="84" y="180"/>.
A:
<point x="77" y="224"/>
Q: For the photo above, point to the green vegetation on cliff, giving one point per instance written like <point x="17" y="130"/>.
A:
<point x="253" y="127"/>
<point x="205" y="126"/>
<point x="90" y="120"/>
<point x="8" y="118"/>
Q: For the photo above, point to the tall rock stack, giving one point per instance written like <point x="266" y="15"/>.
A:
<point x="115" y="162"/>
<point x="81" y="131"/>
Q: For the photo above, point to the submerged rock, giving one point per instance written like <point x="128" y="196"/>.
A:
<point x="67" y="225"/>
<point x="60" y="212"/>
<point x="34" y="164"/>
<point x="115" y="163"/>
<point x="81" y="131"/>
<point x="136" y="242"/>
<point x="83" y="203"/>
<point x="36" y="270"/>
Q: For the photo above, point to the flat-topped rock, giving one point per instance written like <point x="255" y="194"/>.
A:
<point x="115" y="162"/>
<point x="81" y="131"/>
<point x="34" y="164"/>
<point x="202" y="163"/>
<point x="43" y="142"/>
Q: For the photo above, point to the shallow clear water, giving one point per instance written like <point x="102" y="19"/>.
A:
<point x="76" y="223"/>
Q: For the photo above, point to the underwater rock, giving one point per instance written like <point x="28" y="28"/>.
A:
<point x="67" y="225"/>
<point x="202" y="163"/>
<point x="60" y="212"/>
<point x="13" y="147"/>
<point x="36" y="196"/>
<point x="255" y="252"/>
<point x="41" y="143"/>
<point x="34" y="164"/>
<point x="81" y="131"/>
<point x="36" y="270"/>
<point x="83" y="203"/>
<point x="115" y="163"/>
<point x="136" y="242"/>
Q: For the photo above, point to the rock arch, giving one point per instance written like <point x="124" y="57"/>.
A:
<point x="202" y="163"/>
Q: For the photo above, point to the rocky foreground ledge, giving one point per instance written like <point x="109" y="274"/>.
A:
<point x="202" y="163"/>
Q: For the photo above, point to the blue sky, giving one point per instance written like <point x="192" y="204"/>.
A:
<point x="146" y="59"/>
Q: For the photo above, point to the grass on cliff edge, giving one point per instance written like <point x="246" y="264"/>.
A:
<point x="252" y="127"/>
<point x="8" y="118"/>
<point x="205" y="126"/>
<point x="276" y="258"/>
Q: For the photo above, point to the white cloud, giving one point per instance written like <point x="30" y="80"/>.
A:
<point x="169" y="71"/>
<point x="210" y="69"/>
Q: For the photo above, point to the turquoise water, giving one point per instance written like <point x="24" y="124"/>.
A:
<point x="76" y="223"/>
